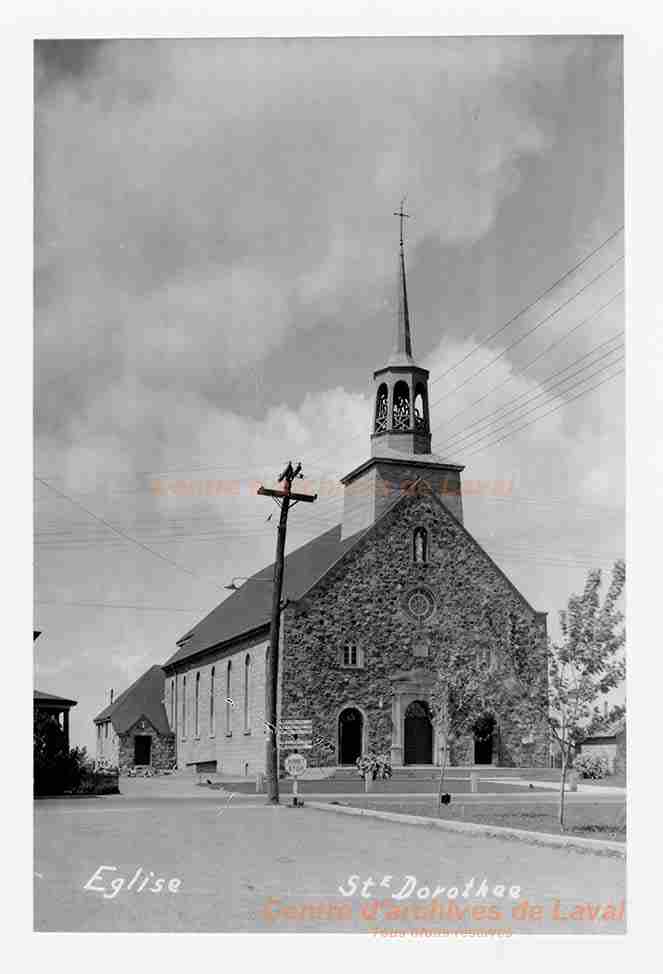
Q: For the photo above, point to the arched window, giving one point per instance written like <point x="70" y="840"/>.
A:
<point x="212" y="728"/>
<point x="420" y="407"/>
<point x="229" y="702"/>
<point x="401" y="408"/>
<point x="381" y="409"/>
<point x="196" y="707"/>
<point x="420" y="545"/>
<point x="183" y="707"/>
<point x="247" y="674"/>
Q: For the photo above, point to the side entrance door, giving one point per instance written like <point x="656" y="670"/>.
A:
<point x="142" y="749"/>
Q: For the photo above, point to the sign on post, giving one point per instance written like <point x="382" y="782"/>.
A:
<point x="295" y="764"/>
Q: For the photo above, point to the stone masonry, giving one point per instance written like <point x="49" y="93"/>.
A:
<point x="362" y="600"/>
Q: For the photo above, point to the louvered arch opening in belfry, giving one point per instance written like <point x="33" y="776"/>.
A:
<point x="401" y="407"/>
<point x="382" y="409"/>
<point x="420" y="411"/>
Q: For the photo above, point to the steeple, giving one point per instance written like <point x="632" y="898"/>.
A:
<point x="400" y="434"/>
<point x="401" y="421"/>
<point x="402" y="351"/>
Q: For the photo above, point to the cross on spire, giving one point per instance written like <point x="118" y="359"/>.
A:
<point x="403" y="216"/>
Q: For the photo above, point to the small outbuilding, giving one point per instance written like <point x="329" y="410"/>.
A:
<point x="133" y="731"/>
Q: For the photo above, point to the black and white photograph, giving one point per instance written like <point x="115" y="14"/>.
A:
<point x="329" y="487"/>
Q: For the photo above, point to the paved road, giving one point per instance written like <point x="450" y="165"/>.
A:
<point x="244" y="866"/>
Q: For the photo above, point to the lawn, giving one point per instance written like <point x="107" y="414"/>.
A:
<point x="591" y="820"/>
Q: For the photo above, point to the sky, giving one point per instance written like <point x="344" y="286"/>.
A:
<point x="216" y="281"/>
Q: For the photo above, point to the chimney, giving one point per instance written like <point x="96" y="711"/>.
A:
<point x="111" y="699"/>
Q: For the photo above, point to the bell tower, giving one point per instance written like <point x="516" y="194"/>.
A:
<point x="400" y="432"/>
<point x="401" y="419"/>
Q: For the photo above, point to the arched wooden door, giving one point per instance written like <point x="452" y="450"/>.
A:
<point x="418" y="734"/>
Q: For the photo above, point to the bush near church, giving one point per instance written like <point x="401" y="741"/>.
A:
<point x="591" y="766"/>
<point x="374" y="766"/>
<point x="59" y="771"/>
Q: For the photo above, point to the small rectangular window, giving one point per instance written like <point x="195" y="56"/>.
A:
<point x="351" y="655"/>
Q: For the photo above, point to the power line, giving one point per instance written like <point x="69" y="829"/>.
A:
<point x="522" y="338"/>
<point x="521" y="371"/>
<point x="528" y="307"/>
<point x="479" y="436"/>
<point x="471" y="430"/>
<point x="127" y="537"/>
<point x="539" y="418"/>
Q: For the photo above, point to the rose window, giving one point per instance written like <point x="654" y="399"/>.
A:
<point x="420" y="604"/>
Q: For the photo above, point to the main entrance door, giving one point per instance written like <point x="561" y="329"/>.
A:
<point x="349" y="735"/>
<point x="418" y="734"/>
<point x="484" y="730"/>
<point x="142" y="749"/>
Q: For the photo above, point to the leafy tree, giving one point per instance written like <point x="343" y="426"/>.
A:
<point x="582" y="668"/>
<point x="464" y="694"/>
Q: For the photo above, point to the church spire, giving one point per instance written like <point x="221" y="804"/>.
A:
<point x="402" y="350"/>
<point x="401" y="421"/>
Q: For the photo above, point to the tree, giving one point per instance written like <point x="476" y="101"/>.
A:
<point x="585" y="666"/>
<point x="464" y="692"/>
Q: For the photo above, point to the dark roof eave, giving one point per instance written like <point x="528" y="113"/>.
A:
<point x="172" y="664"/>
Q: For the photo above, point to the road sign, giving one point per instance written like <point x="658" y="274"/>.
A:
<point x="296" y="733"/>
<point x="294" y="744"/>
<point x="295" y="764"/>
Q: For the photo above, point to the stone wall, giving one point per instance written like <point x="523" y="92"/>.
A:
<point x="364" y="599"/>
<point x="162" y="754"/>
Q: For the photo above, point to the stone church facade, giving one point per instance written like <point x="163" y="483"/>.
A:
<point x="369" y="603"/>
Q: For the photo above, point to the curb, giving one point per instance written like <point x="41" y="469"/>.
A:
<point x="576" y="843"/>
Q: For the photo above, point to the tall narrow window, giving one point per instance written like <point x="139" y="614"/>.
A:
<point x="229" y="702"/>
<point x="420" y="545"/>
<point x="247" y="673"/>
<point x="212" y="728"/>
<point x="172" y="703"/>
<point x="183" y="707"/>
<point x="196" y="707"/>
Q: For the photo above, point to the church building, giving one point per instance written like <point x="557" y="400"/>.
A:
<point x="367" y="603"/>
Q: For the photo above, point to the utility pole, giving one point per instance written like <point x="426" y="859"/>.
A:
<point x="286" y="499"/>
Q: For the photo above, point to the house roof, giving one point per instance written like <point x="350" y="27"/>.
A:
<point x="51" y="700"/>
<point x="144" y="698"/>
<point x="249" y="608"/>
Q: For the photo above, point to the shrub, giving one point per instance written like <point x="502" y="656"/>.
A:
<point x="64" y="771"/>
<point x="591" y="765"/>
<point x="374" y="766"/>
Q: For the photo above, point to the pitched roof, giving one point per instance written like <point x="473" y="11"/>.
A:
<point x="249" y="608"/>
<point x="52" y="699"/>
<point x="144" y="698"/>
